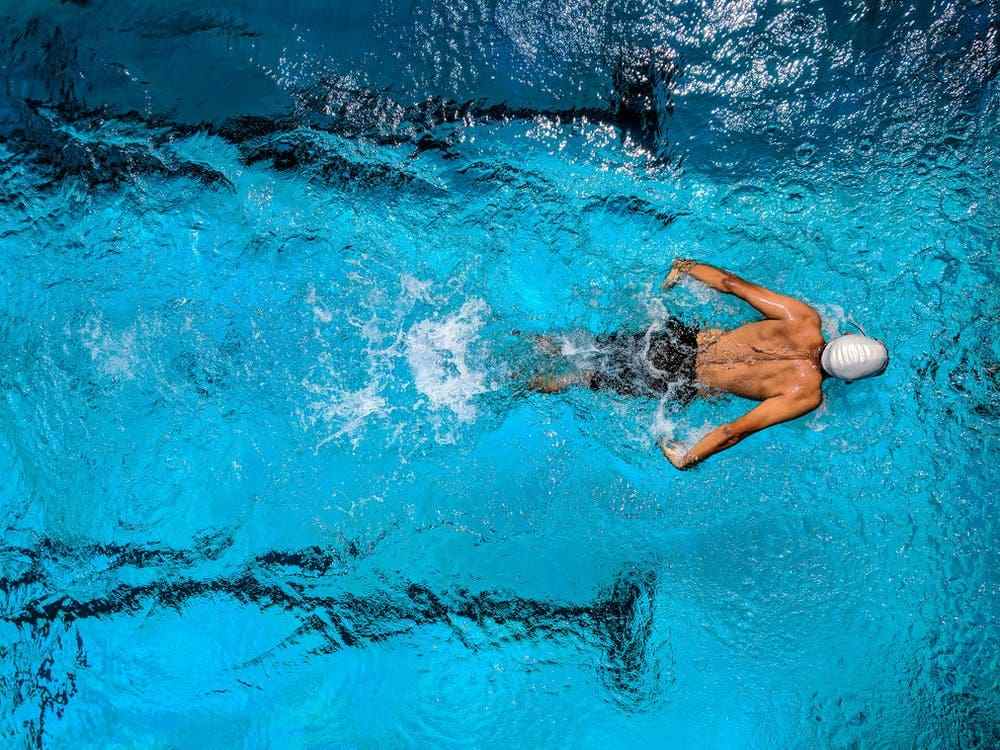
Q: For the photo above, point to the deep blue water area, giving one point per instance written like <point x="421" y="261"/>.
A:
<point x="269" y="477"/>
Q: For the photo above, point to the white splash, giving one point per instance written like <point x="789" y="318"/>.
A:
<point x="437" y="351"/>
<point x="416" y="289"/>
<point x="348" y="409"/>
<point x="319" y="309"/>
<point x="114" y="354"/>
<point x="817" y="421"/>
<point x="664" y="427"/>
<point x="652" y="300"/>
<point x="578" y="346"/>
<point x="332" y="406"/>
<point x="833" y="317"/>
<point x="702" y="292"/>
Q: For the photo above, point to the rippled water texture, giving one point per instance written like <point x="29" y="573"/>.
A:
<point x="266" y="476"/>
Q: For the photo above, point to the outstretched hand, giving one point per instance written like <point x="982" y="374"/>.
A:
<point x="679" y="267"/>
<point x="674" y="452"/>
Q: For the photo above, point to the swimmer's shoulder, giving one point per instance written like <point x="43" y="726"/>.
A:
<point x="807" y="390"/>
<point x="804" y="331"/>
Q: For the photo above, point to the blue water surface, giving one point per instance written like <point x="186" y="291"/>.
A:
<point x="268" y="475"/>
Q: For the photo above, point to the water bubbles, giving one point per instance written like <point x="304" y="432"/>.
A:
<point x="804" y="154"/>
<point x="958" y="204"/>
<point x="796" y="195"/>
<point x="438" y="352"/>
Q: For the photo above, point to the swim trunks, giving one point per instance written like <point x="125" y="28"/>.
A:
<point x="652" y="363"/>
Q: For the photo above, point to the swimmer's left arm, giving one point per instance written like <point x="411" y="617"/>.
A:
<point x="768" y="303"/>
<point x="770" y="412"/>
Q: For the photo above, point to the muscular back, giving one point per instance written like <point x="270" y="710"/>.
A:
<point x="763" y="359"/>
<point x="775" y="361"/>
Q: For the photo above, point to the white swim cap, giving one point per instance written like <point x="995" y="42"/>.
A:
<point x="853" y="357"/>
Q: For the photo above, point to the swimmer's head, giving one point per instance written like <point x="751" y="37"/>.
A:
<point x="853" y="357"/>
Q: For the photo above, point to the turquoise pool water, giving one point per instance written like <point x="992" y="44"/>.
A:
<point x="266" y="476"/>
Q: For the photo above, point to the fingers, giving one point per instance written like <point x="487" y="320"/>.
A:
<point x="673" y="452"/>
<point x="678" y="268"/>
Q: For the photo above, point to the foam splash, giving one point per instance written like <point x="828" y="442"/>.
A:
<point x="416" y="289"/>
<point x="577" y="345"/>
<point x="664" y="427"/>
<point x="345" y="411"/>
<point x="437" y="351"/>
<point x="656" y="310"/>
<point x="349" y="409"/>
<point x="703" y="293"/>
<point x="833" y="319"/>
<point x="320" y="312"/>
<point x="817" y="420"/>
<point x="114" y="354"/>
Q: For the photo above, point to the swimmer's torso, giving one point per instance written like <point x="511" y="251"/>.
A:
<point x="761" y="360"/>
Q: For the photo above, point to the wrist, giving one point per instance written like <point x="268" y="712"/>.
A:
<point x="684" y="265"/>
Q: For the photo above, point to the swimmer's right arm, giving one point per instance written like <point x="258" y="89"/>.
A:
<point x="768" y="413"/>
<point x="769" y="304"/>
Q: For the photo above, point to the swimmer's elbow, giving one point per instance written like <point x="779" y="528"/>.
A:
<point x="731" y="435"/>
<point x="729" y="283"/>
<point x="805" y="403"/>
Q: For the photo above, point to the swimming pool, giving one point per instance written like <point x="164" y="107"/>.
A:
<point x="269" y="479"/>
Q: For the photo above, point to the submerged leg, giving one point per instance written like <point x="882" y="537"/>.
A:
<point x="559" y="383"/>
<point x="547" y="345"/>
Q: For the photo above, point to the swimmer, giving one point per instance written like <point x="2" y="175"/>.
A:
<point x="781" y="362"/>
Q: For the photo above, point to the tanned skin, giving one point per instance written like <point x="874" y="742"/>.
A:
<point x="775" y="361"/>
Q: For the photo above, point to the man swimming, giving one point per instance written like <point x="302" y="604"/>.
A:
<point x="780" y="361"/>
